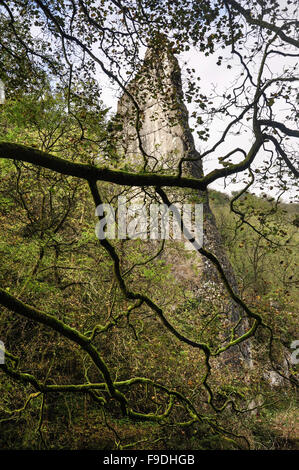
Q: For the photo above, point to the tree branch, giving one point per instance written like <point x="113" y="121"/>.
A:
<point x="262" y="23"/>
<point x="280" y="126"/>
<point x="283" y="154"/>
<point x="15" y="305"/>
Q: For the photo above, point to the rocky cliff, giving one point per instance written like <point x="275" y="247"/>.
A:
<point x="156" y="136"/>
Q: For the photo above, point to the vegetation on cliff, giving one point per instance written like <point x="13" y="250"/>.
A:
<point x="107" y="344"/>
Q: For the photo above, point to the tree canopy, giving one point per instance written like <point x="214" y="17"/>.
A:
<point x="59" y="155"/>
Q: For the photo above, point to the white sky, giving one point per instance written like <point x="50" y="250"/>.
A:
<point x="222" y="78"/>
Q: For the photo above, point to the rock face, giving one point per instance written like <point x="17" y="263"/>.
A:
<point x="164" y="132"/>
<point x="162" y="143"/>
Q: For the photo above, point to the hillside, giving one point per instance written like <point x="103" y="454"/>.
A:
<point x="60" y="271"/>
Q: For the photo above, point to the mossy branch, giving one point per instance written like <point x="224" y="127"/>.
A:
<point x="125" y="178"/>
<point x="19" y="307"/>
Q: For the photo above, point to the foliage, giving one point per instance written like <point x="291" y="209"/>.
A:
<point x="87" y="323"/>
